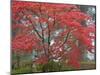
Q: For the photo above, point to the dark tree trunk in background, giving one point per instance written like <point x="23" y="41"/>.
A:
<point x="18" y="61"/>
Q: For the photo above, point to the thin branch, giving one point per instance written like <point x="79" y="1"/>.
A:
<point x="65" y="39"/>
<point x="49" y="36"/>
<point x="35" y="29"/>
<point x="42" y="31"/>
<point x="50" y="30"/>
<point x="43" y="38"/>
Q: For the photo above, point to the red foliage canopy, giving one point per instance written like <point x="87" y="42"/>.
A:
<point x="36" y="25"/>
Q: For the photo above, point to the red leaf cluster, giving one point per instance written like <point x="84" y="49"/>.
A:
<point x="24" y="42"/>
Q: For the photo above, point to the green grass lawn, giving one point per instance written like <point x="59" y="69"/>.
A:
<point x="52" y="67"/>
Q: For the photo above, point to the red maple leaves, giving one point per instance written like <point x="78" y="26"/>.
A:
<point x="24" y="42"/>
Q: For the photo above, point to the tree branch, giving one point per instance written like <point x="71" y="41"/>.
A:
<point x="42" y="31"/>
<point x="49" y="32"/>
<point x="65" y="39"/>
<point x="35" y="29"/>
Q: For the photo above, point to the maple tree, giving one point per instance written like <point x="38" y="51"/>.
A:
<point x="55" y="31"/>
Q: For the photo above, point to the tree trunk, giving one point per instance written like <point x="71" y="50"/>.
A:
<point x="18" y="60"/>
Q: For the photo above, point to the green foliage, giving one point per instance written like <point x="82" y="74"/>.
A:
<point x="21" y="70"/>
<point x="51" y="66"/>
